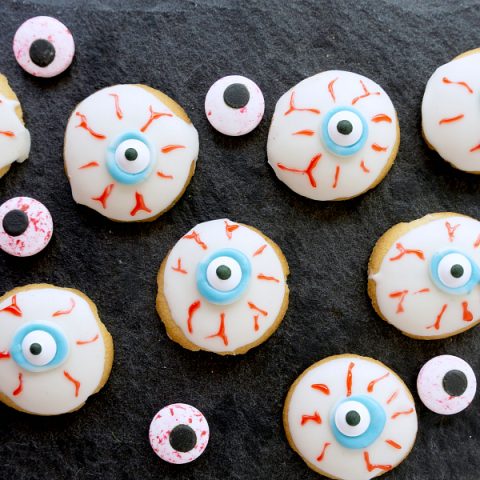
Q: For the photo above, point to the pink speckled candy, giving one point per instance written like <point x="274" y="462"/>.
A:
<point x="26" y="226"/>
<point x="50" y="30"/>
<point x="234" y="105"/>
<point x="446" y="384"/>
<point x="179" y="433"/>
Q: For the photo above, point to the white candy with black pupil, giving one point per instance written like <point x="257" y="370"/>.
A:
<point x="229" y="283"/>
<point x="135" y="164"/>
<point x="454" y="262"/>
<point x="48" y="348"/>
<point x="341" y="418"/>
<point x="342" y="139"/>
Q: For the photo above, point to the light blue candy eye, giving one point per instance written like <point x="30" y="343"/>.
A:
<point x="454" y="272"/>
<point x="223" y="276"/>
<point x="344" y="131"/>
<point x="38" y="347"/>
<point x="357" y="421"/>
<point x="130" y="158"/>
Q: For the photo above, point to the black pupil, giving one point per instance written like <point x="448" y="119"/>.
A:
<point x="182" y="438"/>
<point x="455" y="383"/>
<point x="223" y="272"/>
<point x="236" y="95"/>
<point x="42" y="52"/>
<point x="457" y="271"/>
<point x="35" y="349"/>
<point x="352" y="418"/>
<point x="15" y="222"/>
<point x="131" y="154"/>
<point x="344" y="127"/>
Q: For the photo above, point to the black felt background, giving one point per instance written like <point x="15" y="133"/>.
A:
<point x="181" y="47"/>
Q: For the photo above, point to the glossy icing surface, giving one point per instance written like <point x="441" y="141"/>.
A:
<point x="451" y="112"/>
<point x="407" y="293"/>
<point x="314" y="401"/>
<point x="333" y="136"/>
<point x="96" y="134"/>
<point x="64" y="386"/>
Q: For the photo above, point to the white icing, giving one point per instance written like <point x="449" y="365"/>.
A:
<point x="430" y="385"/>
<point x="45" y="28"/>
<point x="50" y="392"/>
<point x="338" y="461"/>
<point x="38" y="233"/>
<point x="166" y="420"/>
<point x="420" y="308"/>
<point x="453" y="140"/>
<point x="234" y="121"/>
<point x="296" y="151"/>
<point x="16" y="147"/>
<point x="181" y="291"/>
<point x="82" y="148"/>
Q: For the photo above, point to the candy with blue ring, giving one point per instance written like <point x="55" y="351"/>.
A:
<point x="38" y="347"/>
<point x="223" y="276"/>
<point x="357" y="421"/>
<point x="454" y="272"/>
<point x="131" y="158"/>
<point x="344" y="131"/>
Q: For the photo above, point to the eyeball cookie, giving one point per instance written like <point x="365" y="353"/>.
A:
<point x="26" y="226"/>
<point x="350" y="418"/>
<point x="54" y="350"/>
<point x="43" y="47"/>
<point x="179" y="433"/>
<point x="333" y="136"/>
<point x="14" y="137"/>
<point x="446" y="384"/>
<point x="450" y="113"/>
<point x="222" y="288"/>
<point x="424" y="276"/>
<point x="130" y="152"/>
<point x="234" y="105"/>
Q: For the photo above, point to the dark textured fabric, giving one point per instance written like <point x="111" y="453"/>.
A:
<point x="181" y="48"/>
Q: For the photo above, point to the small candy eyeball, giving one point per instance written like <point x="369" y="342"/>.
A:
<point x="179" y="433"/>
<point x="446" y="384"/>
<point x="26" y="226"/>
<point x="43" y="47"/>
<point x="234" y="105"/>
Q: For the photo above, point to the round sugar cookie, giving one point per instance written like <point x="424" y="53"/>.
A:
<point x="222" y="288"/>
<point x="423" y="276"/>
<point x="333" y="136"/>
<point x="43" y="46"/>
<point x="14" y="137"/>
<point x="54" y="350"/>
<point x="179" y="433"/>
<point x="130" y="152"/>
<point x="451" y="114"/>
<point x="350" y="418"/>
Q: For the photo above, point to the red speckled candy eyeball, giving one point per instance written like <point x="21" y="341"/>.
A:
<point x="179" y="433"/>
<point x="43" y="47"/>
<point x="26" y="226"/>
<point x="234" y="105"/>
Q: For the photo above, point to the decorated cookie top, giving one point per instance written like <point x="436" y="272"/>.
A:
<point x="222" y="288"/>
<point x="130" y="151"/>
<point x="53" y="352"/>
<point x="350" y="418"/>
<point x="14" y="137"/>
<point x="333" y="136"/>
<point x="43" y="47"/>
<point x="26" y="226"/>
<point x="234" y="105"/>
<point x="179" y="433"/>
<point x="446" y="384"/>
<point x="424" y="276"/>
<point x="451" y="112"/>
